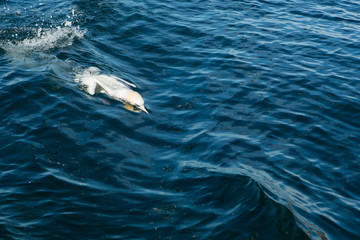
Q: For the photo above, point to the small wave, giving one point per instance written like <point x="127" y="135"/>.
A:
<point x="274" y="189"/>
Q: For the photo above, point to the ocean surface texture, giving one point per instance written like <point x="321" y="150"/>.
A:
<point x="253" y="131"/>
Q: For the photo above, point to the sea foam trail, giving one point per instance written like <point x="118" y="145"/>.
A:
<point x="35" y="31"/>
<point x="36" y="50"/>
<point x="46" y="39"/>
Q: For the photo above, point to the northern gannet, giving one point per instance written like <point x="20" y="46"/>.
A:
<point x="114" y="87"/>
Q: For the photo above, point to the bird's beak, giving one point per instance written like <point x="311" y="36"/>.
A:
<point x="144" y="109"/>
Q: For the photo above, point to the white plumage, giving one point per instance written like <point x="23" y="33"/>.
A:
<point x="114" y="87"/>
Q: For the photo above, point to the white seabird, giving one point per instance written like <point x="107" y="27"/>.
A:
<point x="114" y="87"/>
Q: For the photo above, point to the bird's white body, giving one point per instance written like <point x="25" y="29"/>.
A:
<point x="114" y="87"/>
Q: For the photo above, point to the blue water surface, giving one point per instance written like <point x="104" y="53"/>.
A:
<point x="253" y="131"/>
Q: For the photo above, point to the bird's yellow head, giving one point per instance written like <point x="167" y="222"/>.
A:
<point x="136" y="100"/>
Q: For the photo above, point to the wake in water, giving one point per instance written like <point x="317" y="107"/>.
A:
<point x="45" y="40"/>
<point x="41" y="41"/>
<point x="34" y="35"/>
<point x="37" y="29"/>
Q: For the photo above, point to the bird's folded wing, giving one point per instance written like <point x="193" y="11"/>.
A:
<point x="120" y="79"/>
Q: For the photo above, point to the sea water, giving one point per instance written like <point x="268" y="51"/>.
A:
<point x="253" y="131"/>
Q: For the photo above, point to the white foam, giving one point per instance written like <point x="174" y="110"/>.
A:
<point x="47" y="39"/>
